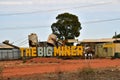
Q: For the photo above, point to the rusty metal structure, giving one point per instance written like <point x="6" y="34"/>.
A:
<point x="33" y="40"/>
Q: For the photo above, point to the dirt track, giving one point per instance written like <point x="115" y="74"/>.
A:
<point x="48" y="65"/>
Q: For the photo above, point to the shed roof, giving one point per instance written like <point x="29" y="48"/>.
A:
<point x="5" y="46"/>
<point x="100" y="40"/>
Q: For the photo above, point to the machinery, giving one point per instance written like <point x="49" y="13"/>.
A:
<point x="33" y="40"/>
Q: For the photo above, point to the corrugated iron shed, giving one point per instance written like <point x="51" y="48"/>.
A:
<point x="5" y="46"/>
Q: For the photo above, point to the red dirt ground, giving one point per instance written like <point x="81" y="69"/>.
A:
<point x="48" y="65"/>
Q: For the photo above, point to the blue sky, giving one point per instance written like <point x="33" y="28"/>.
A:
<point x="40" y="14"/>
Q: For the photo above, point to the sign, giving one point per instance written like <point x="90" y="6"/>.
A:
<point x="109" y="45"/>
<point x="52" y="51"/>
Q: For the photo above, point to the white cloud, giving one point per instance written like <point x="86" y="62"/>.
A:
<point x="54" y="2"/>
<point x="13" y="6"/>
<point x="70" y="1"/>
<point x="47" y="2"/>
<point x="15" y="2"/>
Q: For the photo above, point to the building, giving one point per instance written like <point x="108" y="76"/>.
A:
<point x="106" y="47"/>
<point x="9" y="51"/>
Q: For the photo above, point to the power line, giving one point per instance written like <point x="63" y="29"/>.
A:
<point x="85" y="6"/>
<point x="23" y="42"/>
<point x="35" y="27"/>
<point x="99" y="21"/>
<point x="21" y="28"/>
<point x="20" y="41"/>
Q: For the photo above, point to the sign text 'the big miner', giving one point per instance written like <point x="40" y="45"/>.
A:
<point x="52" y="51"/>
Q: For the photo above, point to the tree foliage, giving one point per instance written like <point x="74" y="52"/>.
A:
<point x="116" y="36"/>
<point x="66" y="27"/>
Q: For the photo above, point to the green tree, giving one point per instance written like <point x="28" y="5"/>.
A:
<point x="66" y="27"/>
<point x="116" y="36"/>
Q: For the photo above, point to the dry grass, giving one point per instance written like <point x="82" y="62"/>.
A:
<point x="1" y="72"/>
<point x="86" y="73"/>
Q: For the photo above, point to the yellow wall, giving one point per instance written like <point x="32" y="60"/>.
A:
<point x="117" y="47"/>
